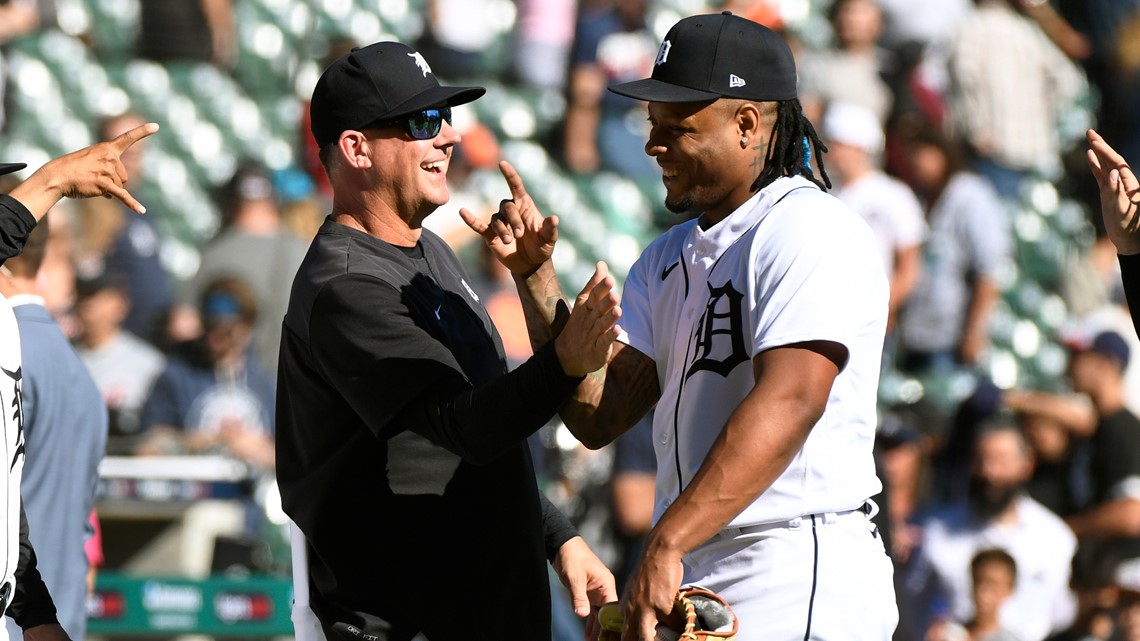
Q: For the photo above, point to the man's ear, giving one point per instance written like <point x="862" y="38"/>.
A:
<point x="354" y="150"/>
<point x="748" y="121"/>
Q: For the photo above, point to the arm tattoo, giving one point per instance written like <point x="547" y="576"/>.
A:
<point x="545" y="307"/>
<point x="611" y="400"/>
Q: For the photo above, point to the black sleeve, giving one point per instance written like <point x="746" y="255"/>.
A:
<point x="16" y="222"/>
<point x="1130" y="273"/>
<point x="479" y="423"/>
<point x="1117" y="456"/>
<point x="31" y="604"/>
<point x="395" y="376"/>
<point x="556" y="528"/>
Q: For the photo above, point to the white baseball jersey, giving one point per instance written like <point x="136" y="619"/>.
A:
<point x="11" y="449"/>
<point x="792" y="264"/>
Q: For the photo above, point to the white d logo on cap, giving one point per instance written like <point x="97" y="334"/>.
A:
<point x="663" y="54"/>
<point x="420" y="62"/>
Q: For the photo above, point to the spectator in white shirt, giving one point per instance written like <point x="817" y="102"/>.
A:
<point x="854" y="148"/>
<point x="997" y="513"/>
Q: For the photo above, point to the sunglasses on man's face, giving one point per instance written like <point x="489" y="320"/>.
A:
<point x="421" y="125"/>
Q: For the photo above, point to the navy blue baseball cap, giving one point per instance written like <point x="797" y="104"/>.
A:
<point x="9" y="167"/>
<point x="1112" y="345"/>
<point x="1107" y="343"/>
<point x="381" y="81"/>
<point x="713" y="56"/>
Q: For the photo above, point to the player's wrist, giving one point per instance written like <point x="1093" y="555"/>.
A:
<point x="531" y="271"/>
<point x="559" y="357"/>
<point x="570" y="365"/>
<point x="40" y="192"/>
<point x="664" y="545"/>
<point x="1125" y="245"/>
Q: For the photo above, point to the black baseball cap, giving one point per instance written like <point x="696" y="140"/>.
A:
<point x="1107" y="343"/>
<point x="9" y="167"/>
<point x="713" y="56"/>
<point x="381" y="81"/>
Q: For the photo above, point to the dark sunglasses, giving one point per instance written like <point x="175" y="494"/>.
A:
<point x="421" y="125"/>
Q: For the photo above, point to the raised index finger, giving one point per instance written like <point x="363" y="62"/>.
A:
<point x="514" y="180"/>
<point x="125" y="140"/>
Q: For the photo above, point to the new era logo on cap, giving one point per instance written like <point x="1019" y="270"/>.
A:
<point x="711" y="48"/>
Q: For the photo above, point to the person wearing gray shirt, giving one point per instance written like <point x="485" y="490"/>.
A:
<point x="945" y="322"/>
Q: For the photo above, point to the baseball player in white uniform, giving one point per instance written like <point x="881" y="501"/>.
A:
<point x="13" y="442"/>
<point x="91" y="171"/>
<point x="756" y="330"/>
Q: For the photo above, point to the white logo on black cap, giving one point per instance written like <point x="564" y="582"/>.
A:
<point x="735" y="80"/>
<point x="420" y="62"/>
<point x="663" y="54"/>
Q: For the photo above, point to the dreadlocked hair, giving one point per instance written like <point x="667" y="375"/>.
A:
<point x="790" y="154"/>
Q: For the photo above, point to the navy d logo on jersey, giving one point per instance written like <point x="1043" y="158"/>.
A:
<point x="719" y="336"/>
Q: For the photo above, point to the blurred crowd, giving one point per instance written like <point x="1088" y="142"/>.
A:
<point x="1012" y="504"/>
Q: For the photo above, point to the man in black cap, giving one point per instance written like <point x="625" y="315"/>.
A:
<point x="756" y="331"/>
<point x="400" y="436"/>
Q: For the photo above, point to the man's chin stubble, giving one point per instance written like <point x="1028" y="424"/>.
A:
<point x="684" y="206"/>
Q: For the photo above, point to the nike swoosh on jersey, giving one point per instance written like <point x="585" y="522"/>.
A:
<point x="665" y="272"/>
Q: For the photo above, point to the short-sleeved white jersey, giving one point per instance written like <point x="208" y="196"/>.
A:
<point x="11" y="448"/>
<point x="792" y="264"/>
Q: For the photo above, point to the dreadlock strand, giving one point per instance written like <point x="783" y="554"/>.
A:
<point x="818" y="149"/>
<point x="786" y="156"/>
<point x="768" y="173"/>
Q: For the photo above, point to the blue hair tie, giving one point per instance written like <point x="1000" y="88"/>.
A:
<point x="807" y="156"/>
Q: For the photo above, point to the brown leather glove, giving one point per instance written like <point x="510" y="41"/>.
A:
<point x="698" y="615"/>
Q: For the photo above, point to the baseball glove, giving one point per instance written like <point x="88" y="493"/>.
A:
<point x="698" y="615"/>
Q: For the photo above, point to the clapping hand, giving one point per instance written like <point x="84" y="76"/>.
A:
<point x="586" y="342"/>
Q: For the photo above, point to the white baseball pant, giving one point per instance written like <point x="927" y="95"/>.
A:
<point x="823" y="577"/>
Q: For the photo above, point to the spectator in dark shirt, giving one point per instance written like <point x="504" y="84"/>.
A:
<point x="212" y="397"/>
